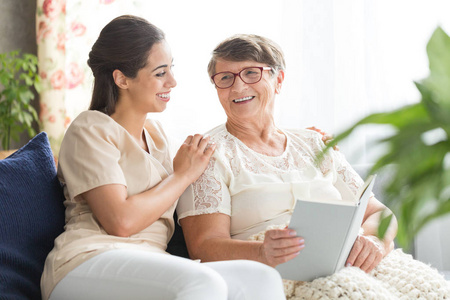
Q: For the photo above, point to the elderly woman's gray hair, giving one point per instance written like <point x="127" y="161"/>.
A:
<point x="248" y="47"/>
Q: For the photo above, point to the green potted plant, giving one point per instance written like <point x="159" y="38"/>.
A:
<point x="18" y="79"/>
<point x="418" y="152"/>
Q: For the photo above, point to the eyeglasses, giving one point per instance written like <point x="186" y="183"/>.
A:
<point x="224" y="80"/>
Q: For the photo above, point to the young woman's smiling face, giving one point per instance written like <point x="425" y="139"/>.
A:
<point x="153" y="83"/>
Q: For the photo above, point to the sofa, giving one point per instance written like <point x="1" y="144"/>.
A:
<point x="32" y="216"/>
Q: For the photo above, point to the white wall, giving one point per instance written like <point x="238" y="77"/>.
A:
<point x="345" y="59"/>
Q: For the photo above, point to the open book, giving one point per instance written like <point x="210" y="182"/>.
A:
<point x="329" y="228"/>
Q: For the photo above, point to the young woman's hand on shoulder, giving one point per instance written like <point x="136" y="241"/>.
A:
<point x="193" y="157"/>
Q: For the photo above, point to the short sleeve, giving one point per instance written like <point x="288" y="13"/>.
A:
<point x="346" y="173"/>
<point x="89" y="156"/>
<point x="208" y="194"/>
<point x="346" y="179"/>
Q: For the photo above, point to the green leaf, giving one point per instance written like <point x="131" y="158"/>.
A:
<point x="18" y="77"/>
<point x="37" y="84"/>
<point x="25" y="96"/>
<point x="28" y="80"/>
<point x="24" y="65"/>
<point x="383" y="226"/>
<point x="34" y="113"/>
<point x="28" y="119"/>
<point x="397" y="119"/>
<point x="438" y="53"/>
<point x="5" y="78"/>
<point x="20" y="116"/>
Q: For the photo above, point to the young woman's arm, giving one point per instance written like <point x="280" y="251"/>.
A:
<point x="124" y="216"/>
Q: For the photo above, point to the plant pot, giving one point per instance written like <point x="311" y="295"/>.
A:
<point x="5" y="153"/>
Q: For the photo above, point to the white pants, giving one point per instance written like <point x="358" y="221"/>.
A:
<point x="133" y="274"/>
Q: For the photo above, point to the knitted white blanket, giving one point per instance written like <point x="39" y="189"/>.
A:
<point x="398" y="276"/>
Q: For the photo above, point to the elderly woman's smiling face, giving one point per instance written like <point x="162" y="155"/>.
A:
<point x="244" y="102"/>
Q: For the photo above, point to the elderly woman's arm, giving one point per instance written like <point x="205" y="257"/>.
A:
<point x="368" y="250"/>
<point x="208" y="238"/>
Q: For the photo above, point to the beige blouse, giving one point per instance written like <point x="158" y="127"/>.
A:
<point x="256" y="190"/>
<point x="97" y="151"/>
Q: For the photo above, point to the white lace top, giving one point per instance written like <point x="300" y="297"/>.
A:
<point x="258" y="190"/>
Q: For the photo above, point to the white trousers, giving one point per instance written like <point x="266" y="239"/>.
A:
<point x="135" y="275"/>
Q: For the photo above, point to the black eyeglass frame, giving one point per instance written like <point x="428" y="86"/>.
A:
<point x="239" y="74"/>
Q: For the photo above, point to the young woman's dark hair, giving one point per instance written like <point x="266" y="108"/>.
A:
<point x="124" y="44"/>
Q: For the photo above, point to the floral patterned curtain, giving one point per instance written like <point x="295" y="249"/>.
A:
<point x="66" y="30"/>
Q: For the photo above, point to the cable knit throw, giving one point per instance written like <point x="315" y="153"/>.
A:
<point x="398" y="276"/>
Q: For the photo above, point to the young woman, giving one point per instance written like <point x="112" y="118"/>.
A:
<point x="121" y="187"/>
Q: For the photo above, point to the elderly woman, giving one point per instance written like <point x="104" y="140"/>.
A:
<point x="259" y="169"/>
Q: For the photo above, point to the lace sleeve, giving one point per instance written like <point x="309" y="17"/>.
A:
<point x="345" y="171"/>
<point x="335" y="161"/>
<point x="208" y="194"/>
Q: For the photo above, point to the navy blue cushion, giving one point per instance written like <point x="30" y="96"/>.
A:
<point x="31" y="217"/>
